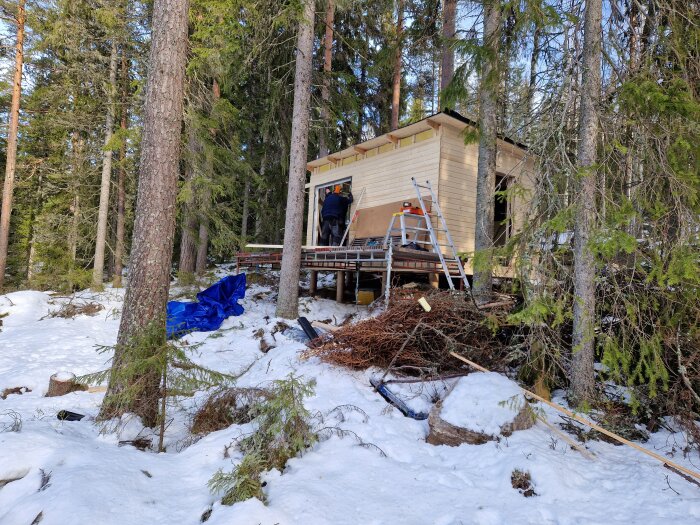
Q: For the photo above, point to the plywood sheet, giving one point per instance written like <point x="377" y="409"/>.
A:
<point x="374" y="221"/>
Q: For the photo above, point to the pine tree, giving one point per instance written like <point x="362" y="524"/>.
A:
<point x="449" y="15"/>
<point x="583" y="344"/>
<point x="398" y="68"/>
<point x="288" y="298"/>
<point x="11" y="155"/>
<point x="98" y="266"/>
<point x="149" y="270"/>
<point x="486" y="171"/>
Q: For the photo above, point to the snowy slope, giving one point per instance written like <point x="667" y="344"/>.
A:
<point x="94" y="481"/>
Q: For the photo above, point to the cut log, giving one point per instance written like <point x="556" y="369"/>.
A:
<point x="480" y="408"/>
<point x="62" y="383"/>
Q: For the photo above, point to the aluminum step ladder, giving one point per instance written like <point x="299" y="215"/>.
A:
<point x="424" y="225"/>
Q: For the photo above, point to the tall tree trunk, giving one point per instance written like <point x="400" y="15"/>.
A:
<point x="202" y="245"/>
<point x="203" y="241"/>
<point x="188" y="243"/>
<point x="78" y="144"/>
<point x="121" y="179"/>
<point x="262" y="208"/>
<point x="13" y="125"/>
<point x="583" y="343"/>
<point x="103" y="212"/>
<point x="486" y="169"/>
<point x="326" y="85"/>
<point x="396" y="83"/>
<point x="363" y="100"/>
<point x="246" y="211"/>
<point x="532" y="85"/>
<point x="154" y="227"/>
<point x="507" y="51"/>
<point x="36" y="204"/>
<point x="447" y="64"/>
<point x="288" y="298"/>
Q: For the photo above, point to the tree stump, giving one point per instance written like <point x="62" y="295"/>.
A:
<point x="480" y="408"/>
<point x="62" y="383"/>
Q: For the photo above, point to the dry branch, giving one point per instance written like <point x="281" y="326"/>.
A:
<point x="408" y="340"/>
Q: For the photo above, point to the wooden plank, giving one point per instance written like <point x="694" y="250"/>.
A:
<point x="591" y="424"/>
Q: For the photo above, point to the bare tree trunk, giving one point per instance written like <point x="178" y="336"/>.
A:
<point x="363" y="99"/>
<point x="534" y="60"/>
<point x="121" y="179"/>
<point x="532" y="85"/>
<point x="188" y="243"/>
<point x="396" y="83"/>
<point x="202" y="245"/>
<point x="154" y="227"/>
<point x="245" y="212"/>
<point x="98" y="268"/>
<point x="582" y="374"/>
<point x="31" y="250"/>
<point x="326" y="86"/>
<point x="288" y="299"/>
<point x="13" y="125"/>
<point x="486" y="169"/>
<point x="447" y="64"/>
<point x="77" y="168"/>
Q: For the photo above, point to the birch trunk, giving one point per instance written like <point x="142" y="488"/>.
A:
<point x="13" y="125"/>
<point x="583" y="343"/>
<point x="326" y="86"/>
<point x="98" y="268"/>
<point x="486" y="169"/>
<point x="154" y="227"/>
<point x="396" y="83"/>
<point x="288" y="299"/>
<point x="447" y="63"/>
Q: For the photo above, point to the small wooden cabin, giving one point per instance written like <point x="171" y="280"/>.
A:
<point x="432" y="149"/>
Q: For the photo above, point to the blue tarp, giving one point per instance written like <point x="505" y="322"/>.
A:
<point x="213" y="305"/>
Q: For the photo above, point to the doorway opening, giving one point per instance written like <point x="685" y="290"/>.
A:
<point x="320" y="197"/>
<point x="501" y="213"/>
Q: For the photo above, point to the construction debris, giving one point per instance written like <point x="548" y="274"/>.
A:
<point x="394" y="400"/>
<point x="67" y="415"/>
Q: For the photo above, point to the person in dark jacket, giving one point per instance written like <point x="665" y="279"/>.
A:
<point x="333" y="213"/>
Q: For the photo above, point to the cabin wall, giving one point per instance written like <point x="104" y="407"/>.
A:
<point x="386" y="177"/>
<point x="457" y="186"/>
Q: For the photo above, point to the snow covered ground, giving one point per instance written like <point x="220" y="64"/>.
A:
<point x="71" y="473"/>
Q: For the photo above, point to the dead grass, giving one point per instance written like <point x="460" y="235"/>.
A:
<point x="521" y="481"/>
<point x="19" y="390"/>
<point x="71" y="310"/>
<point x="226" y="407"/>
<point x="260" y="278"/>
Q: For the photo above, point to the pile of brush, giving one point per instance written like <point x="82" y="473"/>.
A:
<point x="412" y="341"/>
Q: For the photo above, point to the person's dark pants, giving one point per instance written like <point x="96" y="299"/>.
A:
<point x="330" y="231"/>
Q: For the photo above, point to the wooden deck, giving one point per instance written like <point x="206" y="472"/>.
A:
<point x="344" y="260"/>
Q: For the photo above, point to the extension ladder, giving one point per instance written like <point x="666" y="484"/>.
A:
<point x="424" y="225"/>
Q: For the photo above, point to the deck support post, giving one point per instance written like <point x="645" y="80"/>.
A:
<point x="313" y="283"/>
<point x="387" y="275"/>
<point x="434" y="280"/>
<point x="339" y="286"/>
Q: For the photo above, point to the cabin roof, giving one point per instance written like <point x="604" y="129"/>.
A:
<point x="447" y="116"/>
